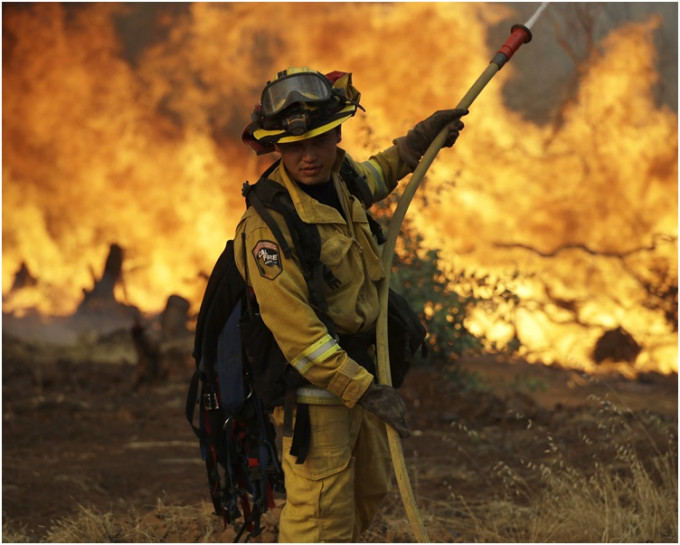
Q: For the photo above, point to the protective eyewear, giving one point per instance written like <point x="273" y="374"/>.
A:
<point x="298" y="87"/>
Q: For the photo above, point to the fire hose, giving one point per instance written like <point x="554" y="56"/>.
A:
<point x="520" y="34"/>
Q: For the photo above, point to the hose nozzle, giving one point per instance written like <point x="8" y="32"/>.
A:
<point x="519" y="35"/>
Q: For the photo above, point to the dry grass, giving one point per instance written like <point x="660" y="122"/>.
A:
<point x="627" y="493"/>
<point x="563" y="505"/>
<point x="611" y="505"/>
<point x="161" y="524"/>
<point x="88" y="525"/>
<point x="15" y="533"/>
<point x="630" y="497"/>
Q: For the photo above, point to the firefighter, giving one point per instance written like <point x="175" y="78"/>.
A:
<point x="337" y="489"/>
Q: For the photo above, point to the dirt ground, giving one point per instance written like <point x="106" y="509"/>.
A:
<point x="76" y="433"/>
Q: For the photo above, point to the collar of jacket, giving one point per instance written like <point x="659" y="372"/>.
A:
<point x="308" y="208"/>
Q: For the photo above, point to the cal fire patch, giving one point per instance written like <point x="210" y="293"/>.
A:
<point x="268" y="259"/>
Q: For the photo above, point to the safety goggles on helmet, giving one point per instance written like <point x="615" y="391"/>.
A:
<point x="328" y="102"/>
<point x="307" y="87"/>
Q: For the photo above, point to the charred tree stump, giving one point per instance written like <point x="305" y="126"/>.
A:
<point x="150" y="369"/>
<point x="176" y="339"/>
<point x="164" y="349"/>
<point x="616" y="345"/>
<point x="23" y="278"/>
<point x="174" y="318"/>
<point x="101" y="296"/>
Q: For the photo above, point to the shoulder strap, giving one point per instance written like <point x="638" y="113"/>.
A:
<point x="357" y="185"/>
<point x="267" y="195"/>
<point x="264" y="191"/>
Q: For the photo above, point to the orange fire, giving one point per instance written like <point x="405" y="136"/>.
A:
<point x="110" y="140"/>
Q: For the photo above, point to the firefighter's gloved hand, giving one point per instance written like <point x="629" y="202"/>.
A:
<point x="413" y="146"/>
<point x="386" y="403"/>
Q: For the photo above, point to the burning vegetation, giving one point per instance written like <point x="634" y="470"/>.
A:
<point x="121" y="129"/>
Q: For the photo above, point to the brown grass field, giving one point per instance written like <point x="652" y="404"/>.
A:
<point x="534" y="454"/>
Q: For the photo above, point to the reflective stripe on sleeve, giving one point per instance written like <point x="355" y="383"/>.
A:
<point x="316" y="396"/>
<point x="376" y="171"/>
<point x="317" y="352"/>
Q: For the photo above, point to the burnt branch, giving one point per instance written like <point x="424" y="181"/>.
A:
<point x="660" y="286"/>
<point x="579" y="246"/>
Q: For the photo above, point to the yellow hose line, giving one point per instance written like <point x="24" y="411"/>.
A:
<point x="384" y="374"/>
<point x="403" y="481"/>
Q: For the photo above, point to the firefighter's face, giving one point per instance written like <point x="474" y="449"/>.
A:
<point x="310" y="161"/>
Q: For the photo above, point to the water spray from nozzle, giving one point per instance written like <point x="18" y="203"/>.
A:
<point x="520" y="34"/>
<point x="536" y="15"/>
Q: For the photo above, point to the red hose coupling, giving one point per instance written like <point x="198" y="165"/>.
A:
<point x="519" y="35"/>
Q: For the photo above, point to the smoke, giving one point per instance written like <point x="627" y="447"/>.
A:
<point x="549" y="70"/>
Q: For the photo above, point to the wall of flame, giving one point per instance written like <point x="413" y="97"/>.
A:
<point x="127" y="131"/>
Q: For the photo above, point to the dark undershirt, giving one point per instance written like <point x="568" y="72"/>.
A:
<point x="324" y="193"/>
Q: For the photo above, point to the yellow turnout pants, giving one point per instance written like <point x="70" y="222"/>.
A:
<point x="336" y="492"/>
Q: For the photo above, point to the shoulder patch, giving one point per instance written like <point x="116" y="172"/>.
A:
<point x="268" y="259"/>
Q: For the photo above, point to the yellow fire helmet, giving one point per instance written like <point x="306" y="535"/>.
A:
<point x="298" y="104"/>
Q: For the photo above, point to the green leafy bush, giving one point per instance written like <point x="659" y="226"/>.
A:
<point x="444" y="298"/>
